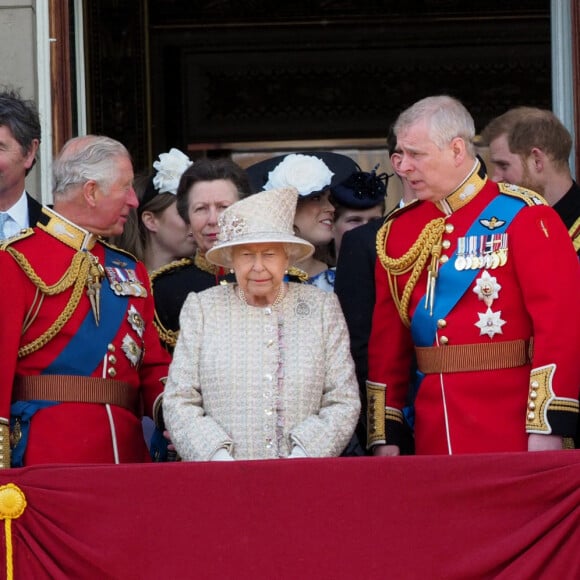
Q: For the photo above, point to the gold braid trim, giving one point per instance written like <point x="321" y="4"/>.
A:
<point x="167" y="336"/>
<point x="203" y="264"/>
<point x="414" y="259"/>
<point x="176" y="264"/>
<point x="298" y="273"/>
<point x="67" y="280"/>
<point x="76" y="274"/>
<point x="574" y="232"/>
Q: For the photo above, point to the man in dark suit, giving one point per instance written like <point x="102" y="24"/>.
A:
<point x="355" y="285"/>
<point x="19" y="141"/>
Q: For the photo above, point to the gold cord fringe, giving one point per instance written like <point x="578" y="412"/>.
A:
<point x="426" y="245"/>
<point x="75" y="275"/>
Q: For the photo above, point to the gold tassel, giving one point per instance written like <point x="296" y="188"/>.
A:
<point x="94" y="276"/>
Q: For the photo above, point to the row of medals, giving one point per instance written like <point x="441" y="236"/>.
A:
<point x="485" y="251"/>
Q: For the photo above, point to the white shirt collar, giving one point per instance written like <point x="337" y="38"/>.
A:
<point x="19" y="212"/>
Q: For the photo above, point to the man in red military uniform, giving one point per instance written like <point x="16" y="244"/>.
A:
<point x="472" y="280"/>
<point x="81" y="360"/>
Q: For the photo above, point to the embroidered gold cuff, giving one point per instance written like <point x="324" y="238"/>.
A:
<point x="540" y="396"/>
<point x="157" y="413"/>
<point x="4" y="446"/>
<point x="393" y="415"/>
<point x="375" y="414"/>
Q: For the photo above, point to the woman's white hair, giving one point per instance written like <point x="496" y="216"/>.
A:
<point x="291" y="251"/>
<point x="447" y="119"/>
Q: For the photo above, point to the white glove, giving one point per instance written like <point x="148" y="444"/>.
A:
<point x="222" y="454"/>
<point x="297" y="453"/>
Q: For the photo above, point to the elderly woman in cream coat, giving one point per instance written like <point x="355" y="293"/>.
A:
<point x="262" y="368"/>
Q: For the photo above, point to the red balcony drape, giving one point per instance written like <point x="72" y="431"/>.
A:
<point x="512" y="516"/>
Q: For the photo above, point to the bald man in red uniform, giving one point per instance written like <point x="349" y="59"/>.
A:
<point x="81" y="360"/>
<point x="473" y="280"/>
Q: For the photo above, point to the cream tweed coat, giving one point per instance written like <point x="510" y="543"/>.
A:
<point x="258" y="380"/>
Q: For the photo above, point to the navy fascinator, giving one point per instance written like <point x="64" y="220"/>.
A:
<point x="362" y="190"/>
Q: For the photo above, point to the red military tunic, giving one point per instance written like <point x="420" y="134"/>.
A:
<point x="48" y="328"/>
<point x="478" y="394"/>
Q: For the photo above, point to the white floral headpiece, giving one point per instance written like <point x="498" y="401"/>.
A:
<point x="306" y="173"/>
<point x="170" y="168"/>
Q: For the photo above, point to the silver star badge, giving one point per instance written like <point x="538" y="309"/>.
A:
<point x="490" y="323"/>
<point x="136" y="321"/>
<point x="487" y="288"/>
<point x="131" y="350"/>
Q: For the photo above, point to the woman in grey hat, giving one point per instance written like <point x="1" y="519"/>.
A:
<point x="262" y="368"/>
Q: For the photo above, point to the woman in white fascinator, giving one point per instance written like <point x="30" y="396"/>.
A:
<point x="155" y="233"/>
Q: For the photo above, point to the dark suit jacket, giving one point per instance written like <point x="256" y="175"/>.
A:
<point x="355" y="288"/>
<point x="568" y="208"/>
<point x="34" y="210"/>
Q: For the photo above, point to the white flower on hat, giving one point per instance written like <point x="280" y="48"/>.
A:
<point x="306" y="173"/>
<point x="170" y="168"/>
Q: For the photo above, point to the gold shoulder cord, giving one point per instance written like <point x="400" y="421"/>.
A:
<point x="76" y="275"/>
<point x="427" y="244"/>
<point x="168" y="337"/>
<point x="169" y="267"/>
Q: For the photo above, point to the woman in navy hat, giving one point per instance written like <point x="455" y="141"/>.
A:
<point x="357" y="201"/>
<point x="313" y="174"/>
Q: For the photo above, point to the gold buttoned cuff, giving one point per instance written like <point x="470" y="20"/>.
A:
<point x="540" y="395"/>
<point x="4" y="445"/>
<point x="375" y="414"/>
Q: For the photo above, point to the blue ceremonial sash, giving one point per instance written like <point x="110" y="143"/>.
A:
<point x="451" y="283"/>
<point x="84" y="352"/>
<point x="23" y="411"/>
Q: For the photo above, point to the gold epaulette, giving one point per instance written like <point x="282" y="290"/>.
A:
<point x="118" y="249"/>
<point x="298" y="273"/>
<point x="175" y="265"/>
<point x="22" y="235"/>
<point x="529" y="196"/>
<point x="398" y="210"/>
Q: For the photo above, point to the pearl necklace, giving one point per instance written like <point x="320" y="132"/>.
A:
<point x="277" y="300"/>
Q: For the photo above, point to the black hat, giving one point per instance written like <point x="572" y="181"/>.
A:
<point x="361" y="190"/>
<point x="310" y="172"/>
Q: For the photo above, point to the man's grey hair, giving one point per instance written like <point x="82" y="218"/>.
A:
<point x="447" y="119"/>
<point x="91" y="157"/>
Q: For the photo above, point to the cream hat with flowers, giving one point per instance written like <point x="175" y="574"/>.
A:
<point x="265" y="217"/>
